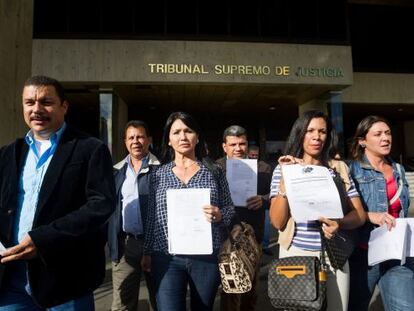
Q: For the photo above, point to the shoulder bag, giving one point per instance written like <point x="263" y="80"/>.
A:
<point x="238" y="259"/>
<point x="298" y="283"/>
<point x="342" y="244"/>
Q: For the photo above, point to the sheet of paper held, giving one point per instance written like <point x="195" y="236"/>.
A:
<point x="311" y="192"/>
<point x="241" y="175"/>
<point x="2" y="248"/>
<point x="189" y="232"/>
<point x="410" y="237"/>
<point x="385" y="245"/>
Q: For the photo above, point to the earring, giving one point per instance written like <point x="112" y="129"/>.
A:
<point x="362" y="145"/>
<point x="198" y="141"/>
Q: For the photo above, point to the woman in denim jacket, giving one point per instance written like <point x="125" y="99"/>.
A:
<point x="384" y="193"/>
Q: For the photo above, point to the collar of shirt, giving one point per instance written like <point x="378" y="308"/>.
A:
<point x="54" y="140"/>
<point x="144" y="164"/>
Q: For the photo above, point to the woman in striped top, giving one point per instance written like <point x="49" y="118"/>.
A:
<point x="313" y="141"/>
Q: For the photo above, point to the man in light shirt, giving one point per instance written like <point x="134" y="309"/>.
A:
<point x="127" y="224"/>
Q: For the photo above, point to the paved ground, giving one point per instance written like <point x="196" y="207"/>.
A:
<point x="103" y="295"/>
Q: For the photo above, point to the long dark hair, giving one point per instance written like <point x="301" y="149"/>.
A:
<point x="294" y="145"/>
<point x="167" y="152"/>
<point x="356" y="152"/>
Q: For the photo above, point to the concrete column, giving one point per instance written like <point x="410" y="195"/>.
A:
<point x="120" y="120"/>
<point x="409" y="139"/>
<point x="16" y="28"/>
<point x="337" y="118"/>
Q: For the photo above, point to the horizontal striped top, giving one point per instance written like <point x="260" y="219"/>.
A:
<point x="307" y="235"/>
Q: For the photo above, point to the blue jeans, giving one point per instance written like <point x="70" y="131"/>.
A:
<point x="266" y="235"/>
<point x="172" y="274"/>
<point x="19" y="301"/>
<point x="395" y="282"/>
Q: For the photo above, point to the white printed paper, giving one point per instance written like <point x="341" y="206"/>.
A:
<point x="385" y="245"/>
<point x="242" y="178"/>
<point x="189" y="232"/>
<point x="410" y="237"/>
<point x="311" y="192"/>
<point x="2" y="248"/>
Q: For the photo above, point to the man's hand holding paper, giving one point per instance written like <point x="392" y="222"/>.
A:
<point x="242" y="178"/>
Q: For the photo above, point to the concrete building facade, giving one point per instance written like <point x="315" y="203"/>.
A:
<point x="262" y="79"/>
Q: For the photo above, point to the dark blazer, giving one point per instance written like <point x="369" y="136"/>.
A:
<point x="75" y="201"/>
<point x="255" y="218"/>
<point x="115" y="232"/>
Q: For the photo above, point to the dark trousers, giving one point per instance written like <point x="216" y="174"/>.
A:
<point x="126" y="277"/>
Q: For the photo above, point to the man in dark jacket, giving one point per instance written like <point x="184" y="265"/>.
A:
<point x="56" y="194"/>
<point x="235" y="146"/>
<point x="127" y="225"/>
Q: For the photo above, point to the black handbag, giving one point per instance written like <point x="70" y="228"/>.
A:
<point x="343" y="243"/>
<point x="298" y="283"/>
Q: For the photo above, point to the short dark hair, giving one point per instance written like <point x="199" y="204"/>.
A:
<point x="137" y="124"/>
<point x="167" y="153"/>
<point x="356" y="152"/>
<point x="47" y="81"/>
<point x="294" y="144"/>
<point x="234" y="130"/>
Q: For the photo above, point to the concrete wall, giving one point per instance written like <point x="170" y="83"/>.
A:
<point x="16" y="20"/>
<point x="149" y="61"/>
<point x="380" y="88"/>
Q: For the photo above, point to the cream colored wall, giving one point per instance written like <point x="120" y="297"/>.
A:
<point x="380" y="88"/>
<point x="130" y="61"/>
<point x="16" y="20"/>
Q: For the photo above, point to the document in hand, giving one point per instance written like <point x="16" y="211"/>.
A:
<point x="311" y="192"/>
<point x="385" y="245"/>
<point x="2" y="248"/>
<point x="241" y="175"/>
<point x="410" y="237"/>
<point x="189" y="232"/>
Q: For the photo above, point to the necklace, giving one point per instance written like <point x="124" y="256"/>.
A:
<point x="186" y="167"/>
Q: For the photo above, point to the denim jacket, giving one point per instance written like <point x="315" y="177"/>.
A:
<point x="371" y="185"/>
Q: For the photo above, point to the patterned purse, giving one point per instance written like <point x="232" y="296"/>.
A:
<point x="298" y="283"/>
<point x="238" y="258"/>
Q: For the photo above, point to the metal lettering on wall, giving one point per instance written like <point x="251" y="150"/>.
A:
<point x="254" y="70"/>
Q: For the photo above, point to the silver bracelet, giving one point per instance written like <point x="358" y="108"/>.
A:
<point x="283" y="194"/>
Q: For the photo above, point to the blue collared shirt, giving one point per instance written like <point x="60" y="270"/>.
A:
<point x="131" y="209"/>
<point x="30" y="183"/>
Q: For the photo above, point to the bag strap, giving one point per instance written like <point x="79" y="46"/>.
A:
<point x="322" y="256"/>
<point x="400" y="186"/>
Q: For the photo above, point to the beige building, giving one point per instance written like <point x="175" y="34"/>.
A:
<point x="254" y="79"/>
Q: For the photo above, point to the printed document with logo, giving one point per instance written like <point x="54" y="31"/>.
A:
<point x="385" y="245"/>
<point x="311" y="192"/>
<point x="242" y="178"/>
<point x="189" y="232"/>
